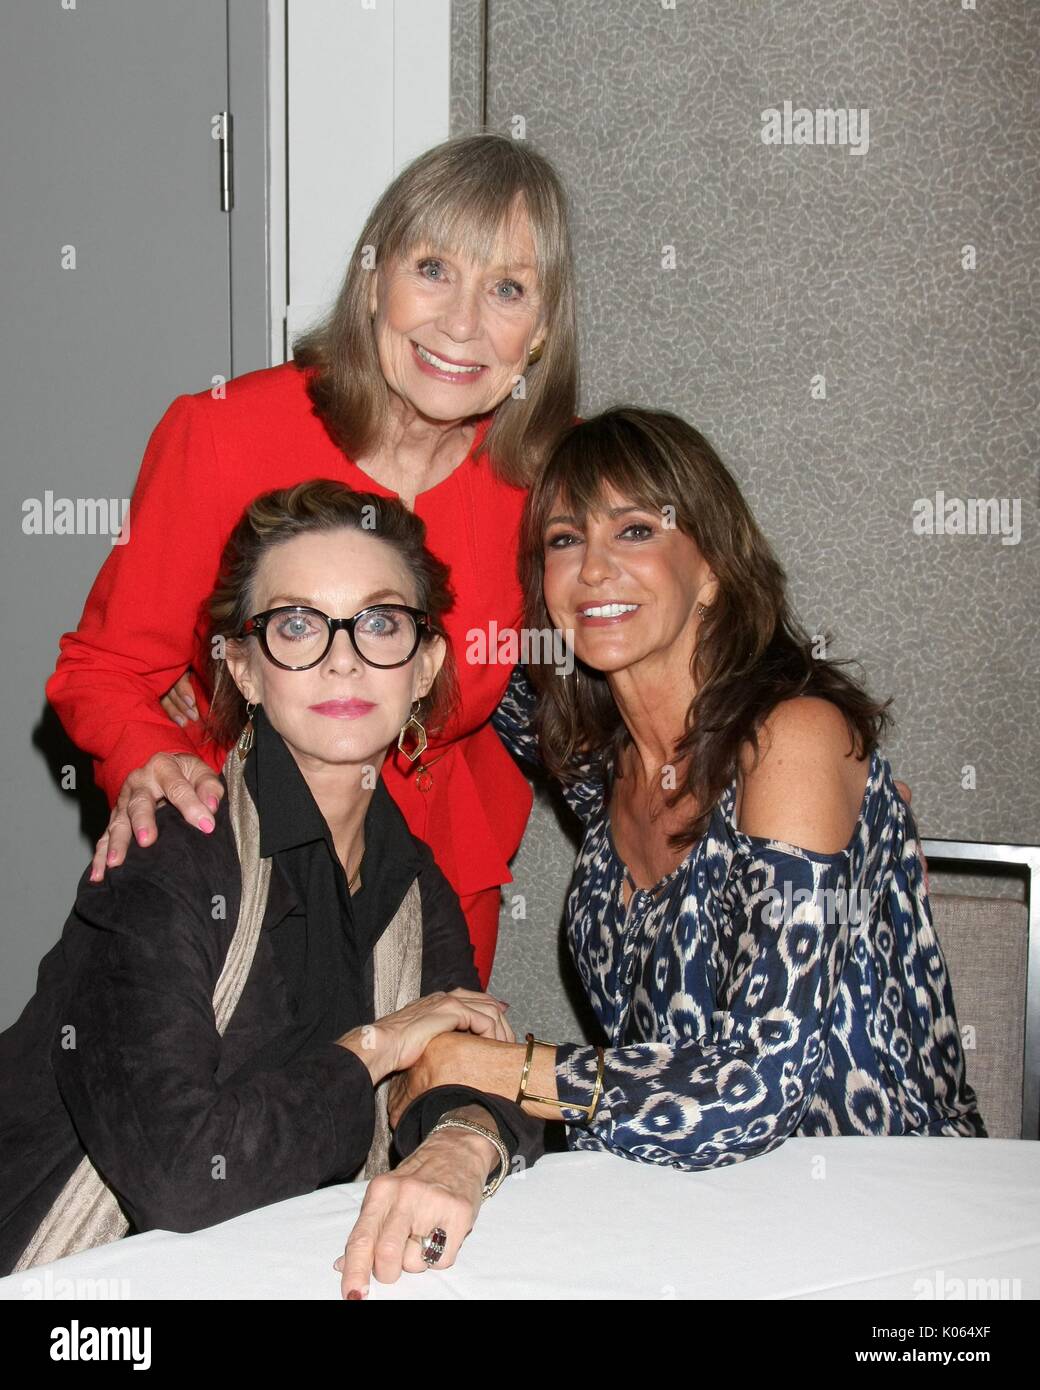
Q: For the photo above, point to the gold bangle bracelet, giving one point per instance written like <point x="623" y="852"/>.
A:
<point x="530" y="1039"/>
<point x="598" y="1088"/>
<point x="523" y="1094"/>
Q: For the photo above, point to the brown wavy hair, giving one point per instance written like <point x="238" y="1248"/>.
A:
<point x="320" y="505"/>
<point x="457" y="196"/>
<point x="751" y="652"/>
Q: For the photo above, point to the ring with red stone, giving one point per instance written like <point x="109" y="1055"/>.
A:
<point x="432" y="1246"/>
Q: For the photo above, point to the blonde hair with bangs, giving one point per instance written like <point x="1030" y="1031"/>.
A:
<point x="459" y="196"/>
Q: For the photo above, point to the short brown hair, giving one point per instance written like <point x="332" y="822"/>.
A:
<point x="456" y="196"/>
<point x="319" y="505"/>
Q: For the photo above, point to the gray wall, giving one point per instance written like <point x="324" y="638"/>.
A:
<point x="106" y="111"/>
<point x="793" y="261"/>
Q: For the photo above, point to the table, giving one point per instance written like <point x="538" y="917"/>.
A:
<point x="836" y="1218"/>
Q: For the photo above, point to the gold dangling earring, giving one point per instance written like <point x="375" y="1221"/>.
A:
<point x="534" y="354"/>
<point x="248" y="735"/>
<point x="418" y="733"/>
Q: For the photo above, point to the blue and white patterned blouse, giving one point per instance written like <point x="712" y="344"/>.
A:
<point x="759" y="990"/>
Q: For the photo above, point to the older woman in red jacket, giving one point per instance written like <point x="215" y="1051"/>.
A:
<point x="421" y="384"/>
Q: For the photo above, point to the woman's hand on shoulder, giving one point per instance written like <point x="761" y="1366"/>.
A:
<point x="179" y="701"/>
<point x="805" y="787"/>
<point x="182" y="779"/>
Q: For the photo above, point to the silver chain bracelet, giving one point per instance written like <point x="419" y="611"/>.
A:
<point x="493" y="1184"/>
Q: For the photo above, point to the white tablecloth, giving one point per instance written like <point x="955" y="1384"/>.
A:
<point x="817" y="1218"/>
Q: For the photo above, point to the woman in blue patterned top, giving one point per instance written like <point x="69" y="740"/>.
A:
<point x="748" y="912"/>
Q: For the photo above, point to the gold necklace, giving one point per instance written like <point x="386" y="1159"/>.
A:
<point x="356" y="880"/>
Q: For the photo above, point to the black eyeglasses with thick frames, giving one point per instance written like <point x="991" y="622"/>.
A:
<point x="296" y="638"/>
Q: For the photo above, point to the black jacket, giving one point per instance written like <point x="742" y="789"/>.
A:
<point x="117" y="1053"/>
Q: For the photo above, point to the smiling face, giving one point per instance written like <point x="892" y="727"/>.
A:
<point x="453" y="336"/>
<point x="627" y="585"/>
<point x="342" y="710"/>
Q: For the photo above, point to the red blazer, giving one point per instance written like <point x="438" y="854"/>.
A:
<point x="143" y="623"/>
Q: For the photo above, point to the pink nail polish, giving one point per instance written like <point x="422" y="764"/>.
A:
<point x="142" y="837"/>
<point x="206" y="824"/>
<point x="211" y="802"/>
<point x="111" y="857"/>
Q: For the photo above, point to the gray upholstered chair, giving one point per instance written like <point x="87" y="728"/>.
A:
<point x="992" y="949"/>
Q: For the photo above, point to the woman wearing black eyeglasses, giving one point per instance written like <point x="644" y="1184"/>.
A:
<point x="216" y="1028"/>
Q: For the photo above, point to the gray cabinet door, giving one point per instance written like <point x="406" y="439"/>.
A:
<point x="114" y="270"/>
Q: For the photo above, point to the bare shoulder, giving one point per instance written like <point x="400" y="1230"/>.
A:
<point x="806" y="785"/>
